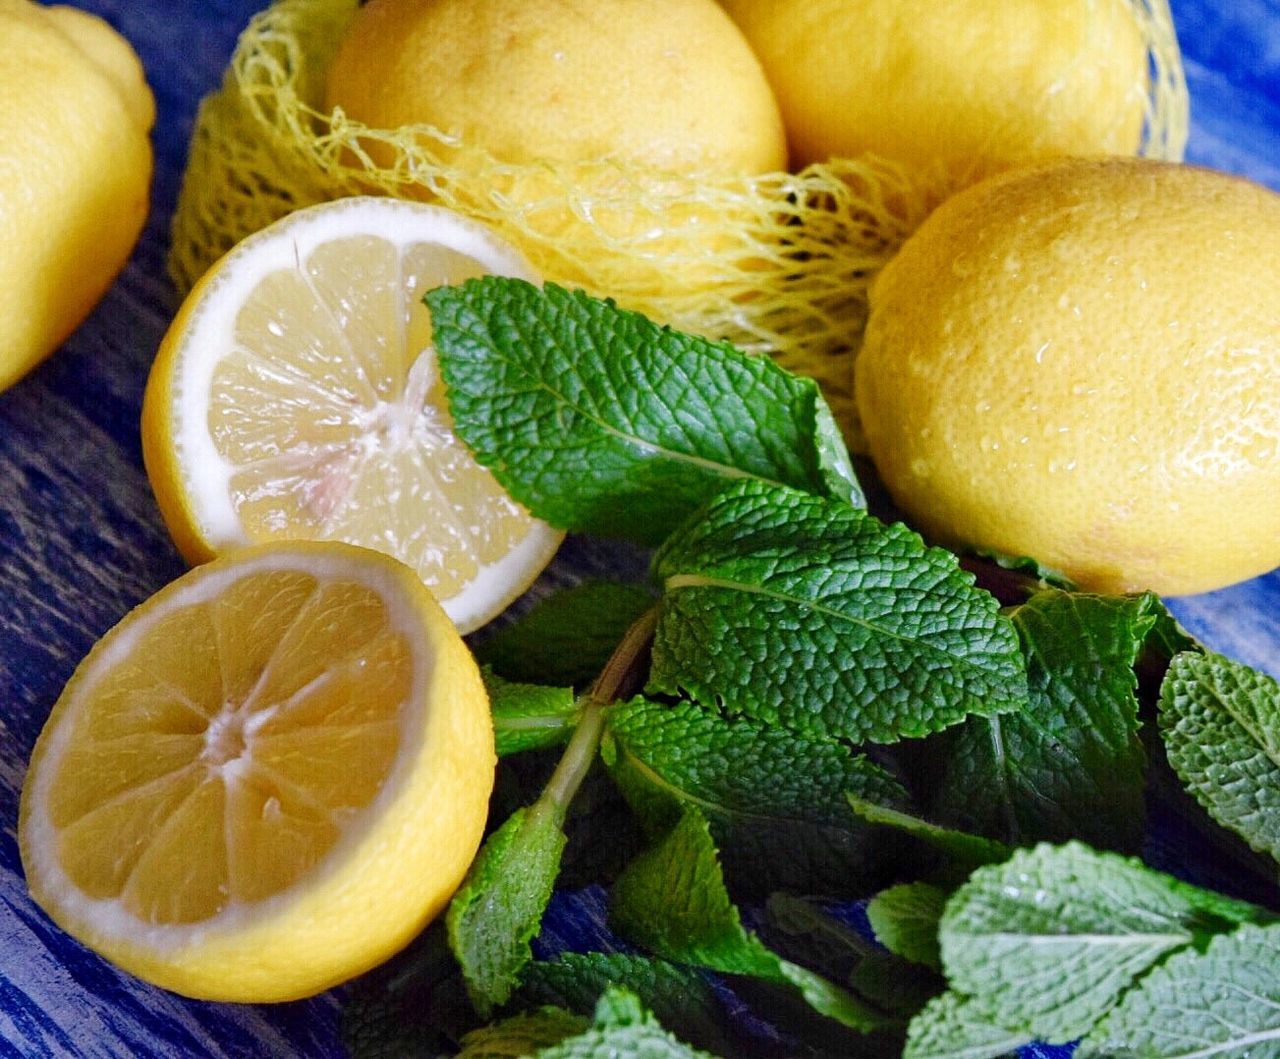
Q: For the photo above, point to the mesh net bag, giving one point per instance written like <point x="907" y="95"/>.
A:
<point x="777" y="263"/>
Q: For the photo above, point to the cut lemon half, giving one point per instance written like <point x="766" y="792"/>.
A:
<point x="297" y="395"/>
<point x="266" y="779"/>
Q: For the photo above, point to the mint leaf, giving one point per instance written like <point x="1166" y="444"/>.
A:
<point x="529" y="716"/>
<point x="800" y="929"/>
<point x="672" y="900"/>
<point x="1223" y="1002"/>
<point x="567" y="637"/>
<point x="598" y="420"/>
<point x="1050" y="939"/>
<point x="1031" y="567"/>
<point x="499" y="908"/>
<point x="965" y="850"/>
<point x="1221" y="726"/>
<point x="1070" y="763"/>
<point x="623" y="1030"/>
<point x="678" y="996"/>
<point x="414" y="1004"/>
<point x="775" y="800"/>
<point x="806" y="613"/>
<point x="521" y="1035"/>
<point x="952" y="1026"/>
<point x="905" y="920"/>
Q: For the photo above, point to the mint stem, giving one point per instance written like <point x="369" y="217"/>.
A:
<point x="618" y="674"/>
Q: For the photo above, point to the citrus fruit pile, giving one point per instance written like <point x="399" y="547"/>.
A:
<point x="567" y="151"/>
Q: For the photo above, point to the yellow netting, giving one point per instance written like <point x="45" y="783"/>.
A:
<point x="777" y="263"/>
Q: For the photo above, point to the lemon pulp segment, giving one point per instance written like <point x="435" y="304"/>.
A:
<point x="239" y="739"/>
<point x="298" y="395"/>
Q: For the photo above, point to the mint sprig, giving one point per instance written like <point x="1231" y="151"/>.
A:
<point x="598" y="420"/>
<point x="498" y="910"/>
<point x="810" y="614"/>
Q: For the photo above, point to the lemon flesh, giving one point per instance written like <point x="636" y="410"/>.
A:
<point x="972" y="87"/>
<point x="75" y="171"/>
<point x="1081" y="362"/>
<point x="297" y="395"/>
<point x="264" y="780"/>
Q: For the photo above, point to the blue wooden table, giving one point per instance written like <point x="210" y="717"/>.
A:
<point x="82" y="540"/>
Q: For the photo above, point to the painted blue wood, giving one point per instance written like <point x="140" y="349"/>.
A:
<point x="81" y="541"/>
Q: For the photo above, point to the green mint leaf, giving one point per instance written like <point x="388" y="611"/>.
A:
<point x="1221" y="726"/>
<point x="905" y="920"/>
<point x="566" y="638"/>
<point x="1168" y="638"/>
<point x="623" y="1030"/>
<point x="1054" y="936"/>
<point x="1032" y="568"/>
<point x="958" y="1027"/>
<point x="1069" y="764"/>
<point x="598" y="420"/>
<point x="1222" y="1002"/>
<point x="775" y="800"/>
<point x="529" y="716"/>
<point x="678" y="996"/>
<point x="521" y="1035"/>
<point x="966" y="851"/>
<point x="672" y="900"/>
<point x="806" y="613"/>
<point x="414" y="1004"/>
<point x="499" y="908"/>
<point x="800" y="929"/>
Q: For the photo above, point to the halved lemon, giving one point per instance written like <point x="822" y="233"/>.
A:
<point x="297" y="395"/>
<point x="266" y="779"/>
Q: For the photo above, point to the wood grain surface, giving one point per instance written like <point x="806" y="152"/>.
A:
<point x="81" y="540"/>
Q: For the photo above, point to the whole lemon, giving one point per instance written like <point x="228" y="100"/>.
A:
<point x="972" y="84"/>
<point x="75" y="169"/>
<point x="1081" y="362"/>
<point x="665" y="83"/>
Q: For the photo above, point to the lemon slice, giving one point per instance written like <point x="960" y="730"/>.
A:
<point x="297" y="395"/>
<point x="265" y="779"/>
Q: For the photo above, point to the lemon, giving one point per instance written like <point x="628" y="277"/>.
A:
<point x="666" y="83"/>
<point x="1081" y="362"/>
<point x="970" y="86"/>
<point x="266" y="779"/>
<point x="75" y="169"/>
<point x="297" y="395"/>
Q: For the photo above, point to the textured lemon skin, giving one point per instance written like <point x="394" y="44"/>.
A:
<point x="666" y="83"/>
<point x="361" y="908"/>
<point x="1081" y="362"/>
<point x="75" y="172"/>
<point x="973" y="85"/>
